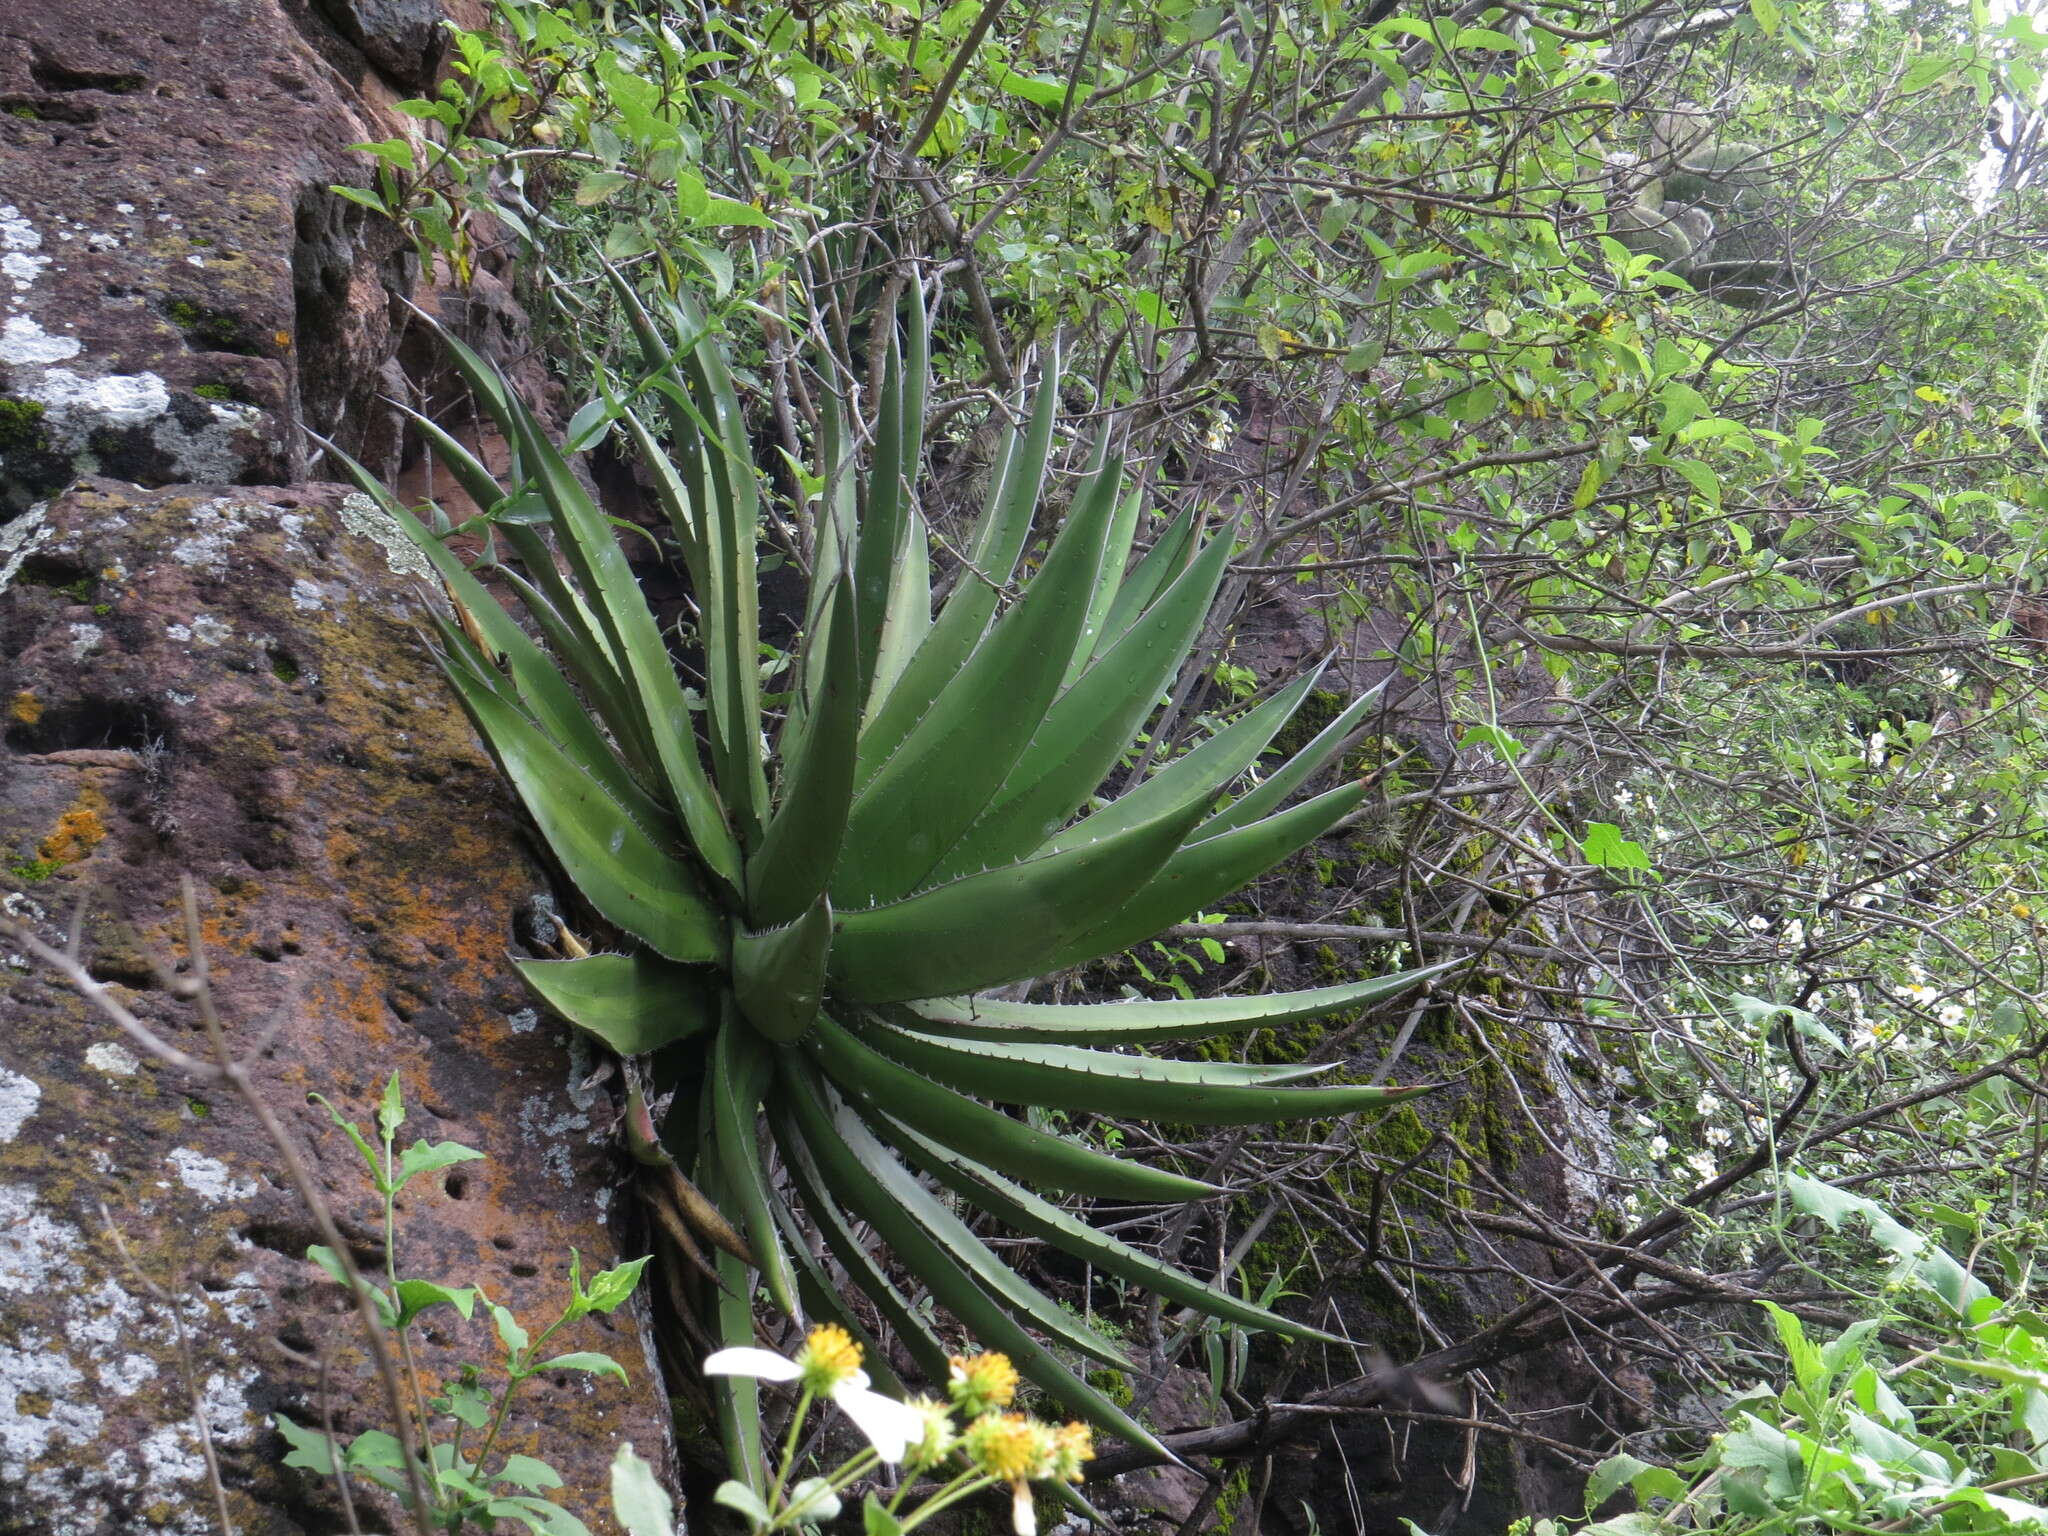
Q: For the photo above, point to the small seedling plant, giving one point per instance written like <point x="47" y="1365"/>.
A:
<point x="467" y="1482"/>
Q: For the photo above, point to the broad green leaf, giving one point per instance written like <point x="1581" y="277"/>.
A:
<point x="528" y="1472"/>
<point x="999" y="540"/>
<point x="415" y="1296"/>
<point x="310" y="1448"/>
<point x="779" y="975"/>
<point x="1090" y="726"/>
<point x="741" y="1068"/>
<point x="587" y="1361"/>
<point x="639" y="1503"/>
<point x="792" y="867"/>
<point x="987" y="929"/>
<point x="996" y="1074"/>
<point x="633" y="1003"/>
<point x="429" y="1156"/>
<point x="620" y="869"/>
<point x="957" y="756"/>
<point x="610" y="1289"/>
<point x="1011" y="1145"/>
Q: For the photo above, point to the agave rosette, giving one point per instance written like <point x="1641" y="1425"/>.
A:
<point x="813" y="925"/>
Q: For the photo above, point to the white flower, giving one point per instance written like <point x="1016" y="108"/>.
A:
<point x="1623" y="799"/>
<point x="1702" y="1163"/>
<point x="829" y="1364"/>
<point x="1717" y="1136"/>
<point x="1708" y="1104"/>
<point x="1659" y="1145"/>
<point x="1950" y="677"/>
<point x="1949" y="1015"/>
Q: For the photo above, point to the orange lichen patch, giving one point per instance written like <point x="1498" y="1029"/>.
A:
<point x="25" y="708"/>
<point x="78" y="831"/>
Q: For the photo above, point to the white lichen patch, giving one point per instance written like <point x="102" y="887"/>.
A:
<point x="172" y="1455"/>
<point x="22" y="269"/>
<point x="208" y="453"/>
<point x="85" y="639"/>
<point x="545" y="1129"/>
<point x="25" y="344"/>
<point x="37" y="1254"/>
<point x="97" y="1320"/>
<point x="125" y="1377"/>
<point x="216" y="525"/>
<point x="75" y="407"/>
<point x="524" y="1022"/>
<point x="307" y="596"/>
<point x="204" y="630"/>
<point x="20" y="539"/>
<point x="364" y="518"/>
<point x="19" y="1097"/>
<point x="47" y="1378"/>
<point x="112" y="1058"/>
<point x="208" y="1177"/>
<point x="225" y="1402"/>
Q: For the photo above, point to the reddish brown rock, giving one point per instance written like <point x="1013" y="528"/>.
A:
<point x="179" y="287"/>
<point x="226" y="683"/>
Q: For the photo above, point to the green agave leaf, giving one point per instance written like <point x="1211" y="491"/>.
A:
<point x="1202" y="874"/>
<point x="791" y="868"/>
<point x="737" y="1398"/>
<point x="987" y="929"/>
<point x="990" y="1323"/>
<point x="884" y="517"/>
<point x="741" y="1070"/>
<point x="1116" y="554"/>
<point x="1090" y="725"/>
<point x="999" y="1075"/>
<point x="907" y="615"/>
<point x="1021" y="1210"/>
<point x="611" y="858"/>
<point x="602" y="687"/>
<point x="1054" y="1162"/>
<point x="779" y="975"/>
<point x="1156" y="569"/>
<point x="608" y="584"/>
<point x="477" y="482"/>
<point x="1143" y="1023"/>
<point x="847" y="1143"/>
<point x="1049" y="1064"/>
<point x="542" y="691"/>
<point x="633" y="1003"/>
<point x="999" y="542"/>
<point x="1299" y="769"/>
<point x="957" y="756"/>
<point x="837" y="1229"/>
<point x="1198" y="776"/>
<point x="484" y="380"/>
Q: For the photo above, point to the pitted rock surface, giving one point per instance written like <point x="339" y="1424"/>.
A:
<point x="226" y="683"/>
<point x="179" y="289"/>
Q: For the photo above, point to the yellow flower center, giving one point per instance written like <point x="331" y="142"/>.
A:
<point x="829" y="1357"/>
<point x="979" y="1383"/>
<point x="1009" y="1446"/>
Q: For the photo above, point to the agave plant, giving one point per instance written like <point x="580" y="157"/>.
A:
<point x="809" y="928"/>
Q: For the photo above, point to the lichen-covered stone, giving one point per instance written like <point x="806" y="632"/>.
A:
<point x="253" y="709"/>
<point x="180" y="290"/>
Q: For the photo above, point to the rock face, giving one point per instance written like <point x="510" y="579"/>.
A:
<point x="179" y="288"/>
<point x="225" y="683"/>
<point x="209" y="666"/>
